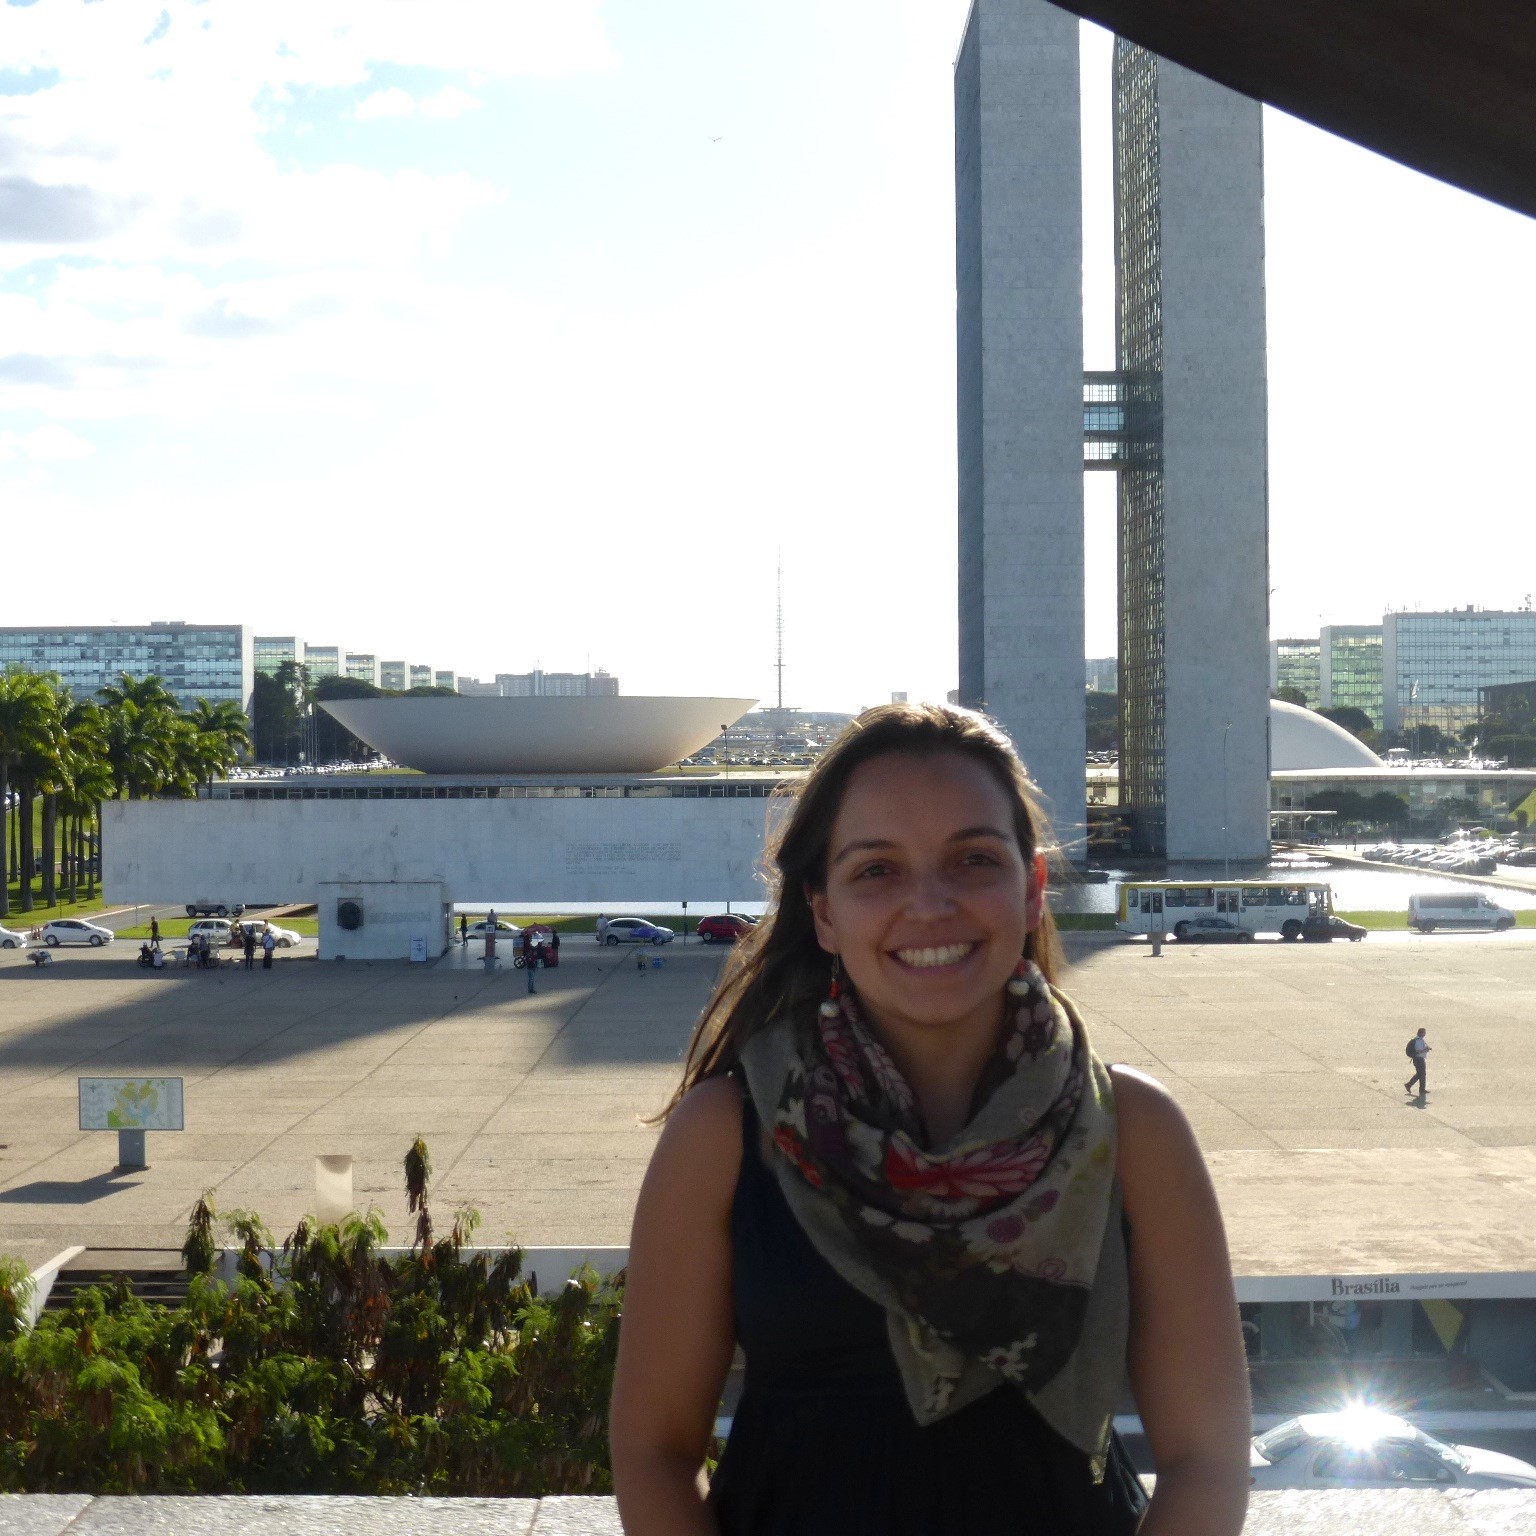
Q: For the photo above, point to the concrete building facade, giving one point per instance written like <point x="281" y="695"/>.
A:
<point x="1019" y="297"/>
<point x="1183" y="421"/>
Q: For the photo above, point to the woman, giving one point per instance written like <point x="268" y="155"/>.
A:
<point x="940" y="1228"/>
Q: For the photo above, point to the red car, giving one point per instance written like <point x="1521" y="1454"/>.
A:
<point x="725" y="926"/>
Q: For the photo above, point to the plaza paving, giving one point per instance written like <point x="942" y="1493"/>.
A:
<point x="1288" y="1059"/>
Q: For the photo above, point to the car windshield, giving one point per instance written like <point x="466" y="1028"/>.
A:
<point x="1279" y="1442"/>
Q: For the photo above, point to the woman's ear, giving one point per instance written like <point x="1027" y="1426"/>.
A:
<point x="826" y="934"/>
<point x="1034" y="908"/>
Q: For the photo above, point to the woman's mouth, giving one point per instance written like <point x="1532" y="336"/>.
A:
<point x="935" y="957"/>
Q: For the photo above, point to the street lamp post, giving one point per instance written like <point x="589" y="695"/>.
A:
<point x="1226" y="847"/>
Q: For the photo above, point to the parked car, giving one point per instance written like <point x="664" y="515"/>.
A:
<point x="1319" y="930"/>
<point x="635" y="930"/>
<point x="505" y="931"/>
<point x="219" y="931"/>
<point x="9" y="940"/>
<point x="1363" y="1448"/>
<point x="207" y="908"/>
<point x="72" y="930"/>
<point x="285" y="938"/>
<point x="1210" y="930"/>
<point x="725" y="926"/>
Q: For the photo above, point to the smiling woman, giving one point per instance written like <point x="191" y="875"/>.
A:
<point x="898" y="1176"/>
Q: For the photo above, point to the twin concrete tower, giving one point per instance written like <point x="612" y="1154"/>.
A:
<point x="1181" y="421"/>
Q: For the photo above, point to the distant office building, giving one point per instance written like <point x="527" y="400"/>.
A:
<point x="362" y="667"/>
<point x="1507" y="700"/>
<point x="473" y="688"/>
<point x="547" y="685"/>
<point x="1349" y="669"/>
<point x="324" y="661"/>
<point x="271" y="651"/>
<point x="441" y="679"/>
<point x="1296" y="663"/>
<point x="392" y="676"/>
<point x="1103" y="674"/>
<point x="1434" y="664"/>
<point x="194" y="661"/>
<point x="420" y="677"/>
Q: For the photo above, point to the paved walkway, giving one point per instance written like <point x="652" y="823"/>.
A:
<point x="1288" y="1059"/>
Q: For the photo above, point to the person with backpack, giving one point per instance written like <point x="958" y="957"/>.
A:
<point x="1418" y="1048"/>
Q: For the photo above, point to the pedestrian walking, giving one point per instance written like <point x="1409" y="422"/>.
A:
<point x="464" y="929"/>
<point x="1418" y="1049"/>
<point x="268" y="944"/>
<point x="602" y="927"/>
<point x="250" y="947"/>
<point x="154" y="931"/>
<point x="530" y="957"/>
<point x="554" y="943"/>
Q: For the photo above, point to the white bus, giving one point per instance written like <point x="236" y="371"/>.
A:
<point x="1206" y="909"/>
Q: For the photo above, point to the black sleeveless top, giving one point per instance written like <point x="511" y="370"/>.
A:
<point x="823" y="1440"/>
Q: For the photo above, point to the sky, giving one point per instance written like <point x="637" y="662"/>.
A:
<point x="496" y="334"/>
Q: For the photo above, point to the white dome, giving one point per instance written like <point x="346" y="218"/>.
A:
<point x="537" y="735"/>
<point x="1301" y="740"/>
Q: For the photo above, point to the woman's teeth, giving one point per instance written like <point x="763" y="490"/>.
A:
<point x="923" y="959"/>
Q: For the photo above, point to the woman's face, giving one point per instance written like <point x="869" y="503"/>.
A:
<point x="928" y="895"/>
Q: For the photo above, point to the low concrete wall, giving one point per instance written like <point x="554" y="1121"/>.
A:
<point x="394" y="914"/>
<point x="602" y="850"/>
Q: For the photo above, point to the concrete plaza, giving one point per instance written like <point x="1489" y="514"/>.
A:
<point x="1288" y="1059"/>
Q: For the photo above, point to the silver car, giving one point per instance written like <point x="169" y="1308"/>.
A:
<point x="1363" y="1448"/>
<point x="11" y="940"/>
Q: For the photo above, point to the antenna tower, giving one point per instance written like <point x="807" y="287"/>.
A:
<point x="778" y="666"/>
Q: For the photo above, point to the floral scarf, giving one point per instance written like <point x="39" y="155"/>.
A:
<point x="998" y="1256"/>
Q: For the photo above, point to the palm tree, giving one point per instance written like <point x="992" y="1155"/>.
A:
<point x="27" y="704"/>
<point x="139" y="716"/>
<point x="226" y="733"/>
<point x="85" y="781"/>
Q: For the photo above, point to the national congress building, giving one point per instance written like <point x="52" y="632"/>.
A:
<point x="1181" y="421"/>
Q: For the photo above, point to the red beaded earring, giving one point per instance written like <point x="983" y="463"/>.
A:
<point x="831" y="1008"/>
<point x="1018" y="983"/>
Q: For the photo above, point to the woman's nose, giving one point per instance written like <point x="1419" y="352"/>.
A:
<point x="930" y="896"/>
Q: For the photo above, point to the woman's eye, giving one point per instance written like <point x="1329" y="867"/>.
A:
<point x="979" y="858"/>
<point x="872" y="870"/>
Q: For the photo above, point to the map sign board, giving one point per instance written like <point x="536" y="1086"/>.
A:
<point x="131" y="1104"/>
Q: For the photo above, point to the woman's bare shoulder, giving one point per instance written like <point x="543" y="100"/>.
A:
<point x="1153" y="1129"/>
<point x="700" y="1144"/>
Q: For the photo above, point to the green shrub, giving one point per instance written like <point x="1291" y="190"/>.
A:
<point x="327" y="1369"/>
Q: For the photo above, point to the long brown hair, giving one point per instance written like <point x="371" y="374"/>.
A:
<point x="779" y="965"/>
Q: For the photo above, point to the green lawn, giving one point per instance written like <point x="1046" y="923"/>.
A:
<point x="176" y="927"/>
<point x="42" y="914"/>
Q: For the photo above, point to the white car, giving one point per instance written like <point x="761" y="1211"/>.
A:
<point x="9" y="940"/>
<point x="1363" y="1448"/>
<point x="71" y="930"/>
<point x="284" y="938"/>
<point x="635" y="930"/>
<point x="505" y="931"/>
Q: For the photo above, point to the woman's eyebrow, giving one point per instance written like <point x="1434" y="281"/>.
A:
<point x="865" y="844"/>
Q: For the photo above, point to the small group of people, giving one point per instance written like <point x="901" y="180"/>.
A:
<point x="248" y="947"/>
<point x="538" y="951"/>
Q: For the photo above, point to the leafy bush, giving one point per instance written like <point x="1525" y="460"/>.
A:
<point x="325" y="1368"/>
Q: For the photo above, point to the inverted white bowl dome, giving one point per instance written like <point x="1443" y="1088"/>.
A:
<point x="537" y="735"/>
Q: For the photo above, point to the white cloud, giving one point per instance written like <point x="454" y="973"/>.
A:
<point x="449" y="102"/>
<point x="47" y="442"/>
<point x="391" y="102"/>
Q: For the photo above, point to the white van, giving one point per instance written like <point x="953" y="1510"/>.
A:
<point x="1457" y="909"/>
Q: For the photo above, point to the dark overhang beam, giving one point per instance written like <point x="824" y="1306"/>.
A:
<point x="1447" y="87"/>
